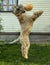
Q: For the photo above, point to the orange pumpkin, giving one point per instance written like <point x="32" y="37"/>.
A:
<point x="29" y="7"/>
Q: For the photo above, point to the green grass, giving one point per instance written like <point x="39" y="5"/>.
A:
<point x="38" y="55"/>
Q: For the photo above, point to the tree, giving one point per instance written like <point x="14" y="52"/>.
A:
<point x="1" y="27"/>
<point x="1" y="7"/>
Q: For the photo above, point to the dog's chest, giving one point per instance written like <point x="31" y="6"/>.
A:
<point x="26" y="23"/>
<point x="24" y="19"/>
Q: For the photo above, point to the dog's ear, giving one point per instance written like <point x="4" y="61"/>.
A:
<point x="14" y="6"/>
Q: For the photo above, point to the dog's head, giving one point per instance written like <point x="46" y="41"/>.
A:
<point x="20" y="9"/>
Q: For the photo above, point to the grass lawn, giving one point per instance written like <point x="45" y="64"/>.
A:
<point x="11" y="55"/>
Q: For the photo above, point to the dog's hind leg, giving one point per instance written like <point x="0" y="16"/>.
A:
<point x="25" y="46"/>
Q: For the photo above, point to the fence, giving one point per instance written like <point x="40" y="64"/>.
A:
<point x="34" y="37"/>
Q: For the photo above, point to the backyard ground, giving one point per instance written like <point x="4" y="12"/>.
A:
<point x="38" y="55"/>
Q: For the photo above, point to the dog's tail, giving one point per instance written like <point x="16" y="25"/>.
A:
<point x="16" y="40"/>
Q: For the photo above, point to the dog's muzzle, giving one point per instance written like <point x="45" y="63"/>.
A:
<point x="23" y="11"/>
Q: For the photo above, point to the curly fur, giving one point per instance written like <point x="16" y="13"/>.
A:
<point x="26" y="23"/>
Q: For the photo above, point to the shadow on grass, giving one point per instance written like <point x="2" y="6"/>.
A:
<point x="11" y="55"/>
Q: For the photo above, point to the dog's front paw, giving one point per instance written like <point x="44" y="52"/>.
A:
<point x="38" y="13"/>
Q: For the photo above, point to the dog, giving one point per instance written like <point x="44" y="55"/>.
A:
<point x="26" y="23"/>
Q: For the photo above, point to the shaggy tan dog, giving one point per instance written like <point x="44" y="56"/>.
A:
<point x="26" y="23"/>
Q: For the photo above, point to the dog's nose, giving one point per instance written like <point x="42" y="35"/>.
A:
<point x="23" y="11"/>
<point x="18" y="9"/>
